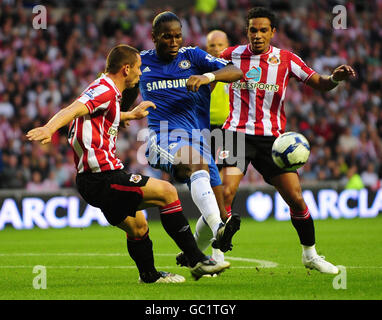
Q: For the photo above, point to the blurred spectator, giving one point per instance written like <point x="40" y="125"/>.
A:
<point x="11" y="176"/>
<point x="354" y="181"/>
<point x="35" y="184"/>
<point x="370" y="177"/>
<point x="347" y="141"/>
<point x="206" y="6"/>
<point x="6" y="107"/>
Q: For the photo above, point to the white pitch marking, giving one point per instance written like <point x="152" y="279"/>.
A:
<point x="85" y="254"/>
<point x="262" y="263"/>
<point x="165" y="267"/>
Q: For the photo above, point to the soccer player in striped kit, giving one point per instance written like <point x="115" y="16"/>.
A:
<point x="257" y="110"/>
<point x="95" y="118"/>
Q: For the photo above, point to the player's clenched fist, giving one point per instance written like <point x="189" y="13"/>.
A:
<point x="343" y="72"/>
<point x="194" y="82"/>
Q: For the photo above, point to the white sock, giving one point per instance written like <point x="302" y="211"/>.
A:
<point x="217" y="255"/>
<point x="309" y="251"/>
<point x="204" y="198"/>
<point x="203" y="238"/>
<point x="203" y="234"/>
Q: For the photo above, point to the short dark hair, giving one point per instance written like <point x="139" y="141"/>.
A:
<point x="162" y="17"/>
<point x="261" y="12"/>
<point x="119" y="56"/>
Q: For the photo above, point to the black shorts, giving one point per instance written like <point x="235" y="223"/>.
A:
<point x="117" y="193"/>
<point x="216" y="146"/>
<point x="258" y="152"/>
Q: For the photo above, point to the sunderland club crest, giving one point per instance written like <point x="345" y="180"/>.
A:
<point x="135" y="178"/>
<point x="274" y="60"/>
<point x="224" y="154"/>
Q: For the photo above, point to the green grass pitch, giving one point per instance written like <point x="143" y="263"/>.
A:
<point x="93" y="263"/>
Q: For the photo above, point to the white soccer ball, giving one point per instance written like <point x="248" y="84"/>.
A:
<point x="290" y="151"/>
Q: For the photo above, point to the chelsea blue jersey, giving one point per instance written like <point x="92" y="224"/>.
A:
<point x="164" y="83"/>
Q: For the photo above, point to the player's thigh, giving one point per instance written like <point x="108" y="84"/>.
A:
<point x="189" y="155"/>
<point x="260" y="156"/>
<point x="135" y="227"/>
<point x="157" y="193"/>
<point x="289" y="187"/>
<point x="188" y="159"/>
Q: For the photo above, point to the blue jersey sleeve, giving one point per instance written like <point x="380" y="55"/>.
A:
<point x="207" y="62"/>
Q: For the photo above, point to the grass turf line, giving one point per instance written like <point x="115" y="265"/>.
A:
<point x="93" y="263"/>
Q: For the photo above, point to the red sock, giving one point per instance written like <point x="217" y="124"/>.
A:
<point x="303" y="215"/>
<point x="171" y="208"/>
<point x="229" y="211"/>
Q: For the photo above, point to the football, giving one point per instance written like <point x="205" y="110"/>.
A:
<point x="290" y="151"/>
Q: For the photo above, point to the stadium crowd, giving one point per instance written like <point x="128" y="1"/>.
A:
<point x="42" y="70"/>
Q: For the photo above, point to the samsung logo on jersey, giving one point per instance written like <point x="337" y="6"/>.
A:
<point x="166" y="84"/>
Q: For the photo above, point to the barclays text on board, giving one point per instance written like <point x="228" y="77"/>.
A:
<point x="56" y="212"/>
<point x="71" y="211"/>
<point x="322" y="204"/>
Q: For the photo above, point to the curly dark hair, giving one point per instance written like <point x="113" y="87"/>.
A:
<point x="261" y="12"/>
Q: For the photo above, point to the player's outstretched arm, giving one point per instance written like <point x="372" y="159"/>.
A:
<point x="139" y="112"/>
<point x="327" y="83"/>
<point x="229" y="73"/>
<point x="60" y="119"/>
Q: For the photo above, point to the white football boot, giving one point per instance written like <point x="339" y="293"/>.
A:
<point x="218" y="256"/>
<point x="319" y="263"/>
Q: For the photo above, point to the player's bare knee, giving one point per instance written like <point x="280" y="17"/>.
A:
<point x="297" y="201"/>
<point x="138" y="232"/>
<point x="142" y="230"/>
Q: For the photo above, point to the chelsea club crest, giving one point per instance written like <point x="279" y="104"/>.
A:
<point x="184" y="64"/>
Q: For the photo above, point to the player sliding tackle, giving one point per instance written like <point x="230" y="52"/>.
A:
<point x="177" y="80"/>
<point x="95" y="117"/>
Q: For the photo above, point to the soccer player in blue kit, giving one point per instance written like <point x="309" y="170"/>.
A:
<point x="177" y="80"/>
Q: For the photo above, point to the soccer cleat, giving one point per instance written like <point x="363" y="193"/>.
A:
<point x="210" y="275"/>
<point x="182" y="261"/>
<point x="226" y="232"/>
<point x="167" y="277"/>
<point x="207" y="266"/>
<point x="224" y="264"/>
<point x="319" y="263"/>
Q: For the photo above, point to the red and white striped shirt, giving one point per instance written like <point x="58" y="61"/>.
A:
<point x="93" y="136"/>
<point x="257" y="100"/>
